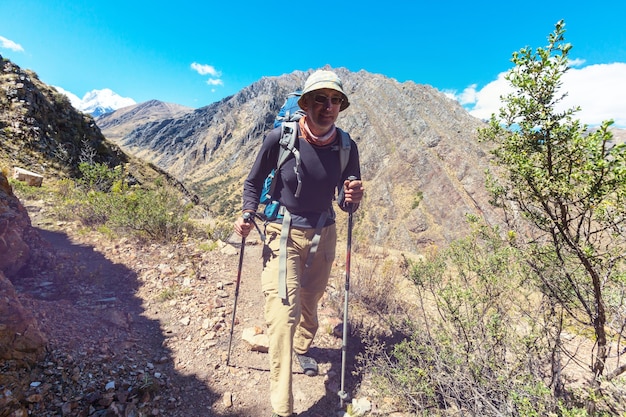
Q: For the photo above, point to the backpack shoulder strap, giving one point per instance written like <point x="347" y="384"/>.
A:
<point x="289" y="134"/>
<point x="344" y="149"/>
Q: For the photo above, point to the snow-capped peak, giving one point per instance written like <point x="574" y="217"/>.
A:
<point x="98" y="102"/>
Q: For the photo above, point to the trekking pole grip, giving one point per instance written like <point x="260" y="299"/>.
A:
<point x="247" y="218"/>
<point x="351" y="205"/>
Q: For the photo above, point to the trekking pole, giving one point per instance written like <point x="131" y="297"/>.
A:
<point x="343" y="395"/>
<point x="246" y="218"/>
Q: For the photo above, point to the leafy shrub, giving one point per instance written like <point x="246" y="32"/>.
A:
<point x="475" y="341"/>
<point x="155" y="214"/>
<point x="99" y="177"/>
<point x="100" y="199"/>
<point x="95" y="209"/>
<point x="65" y="188"/>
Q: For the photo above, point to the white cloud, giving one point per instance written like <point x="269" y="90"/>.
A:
<point x="74" y="100"/>
<point x="204" y="69"/>
<point x="468" y="96"/>
<point x="599" y="90"/>
<point x="486" y="101"/>
<point x="9" y="44"/>
<point x="104" y="98"/>
<point x="576" y="62"/>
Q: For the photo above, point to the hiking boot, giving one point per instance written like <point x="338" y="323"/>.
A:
<point x="278" y="415"/>
<point x="308" y="365"/>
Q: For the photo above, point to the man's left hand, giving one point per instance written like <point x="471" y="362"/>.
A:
<point x="353" y="191"/>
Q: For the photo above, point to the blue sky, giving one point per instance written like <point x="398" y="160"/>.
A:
<point x="196" y="52"/>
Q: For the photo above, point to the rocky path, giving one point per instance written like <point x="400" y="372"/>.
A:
<point x="144" y="330"/>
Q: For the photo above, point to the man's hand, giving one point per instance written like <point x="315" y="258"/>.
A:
<point x="352" y="191"/>
<point x="243" y="225"/>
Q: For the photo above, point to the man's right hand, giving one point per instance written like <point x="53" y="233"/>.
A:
<point x="243" y="225"/>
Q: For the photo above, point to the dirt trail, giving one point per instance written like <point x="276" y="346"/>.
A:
<point x="154" y="321"/>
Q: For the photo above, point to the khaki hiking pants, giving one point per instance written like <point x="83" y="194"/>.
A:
<point x="292" y="323"/>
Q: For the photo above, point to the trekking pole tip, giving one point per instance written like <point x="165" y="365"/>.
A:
<point x="343" y="398"/>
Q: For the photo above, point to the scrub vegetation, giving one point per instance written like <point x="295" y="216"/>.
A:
<point x="526" y="320"/>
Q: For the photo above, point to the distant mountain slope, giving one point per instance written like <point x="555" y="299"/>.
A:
<point x="421" y="162"/>
<point x="119" y="123"/>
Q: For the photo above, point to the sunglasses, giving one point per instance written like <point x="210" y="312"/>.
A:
<point x="322" y="99"/>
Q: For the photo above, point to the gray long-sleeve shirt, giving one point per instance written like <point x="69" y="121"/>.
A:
<point x="319" y="172"/>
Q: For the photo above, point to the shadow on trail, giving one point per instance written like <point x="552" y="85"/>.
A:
<point x="329" y="404"/>
<point x="95" y="308"/>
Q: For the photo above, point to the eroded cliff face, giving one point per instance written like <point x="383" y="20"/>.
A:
<point x="20" y="337"/>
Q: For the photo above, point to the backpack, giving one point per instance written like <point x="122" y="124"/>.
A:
<point x="288" y="117"/>
<point x="290" y="110"/>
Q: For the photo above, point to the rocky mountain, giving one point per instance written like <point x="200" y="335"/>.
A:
<point x="122" y="122"/>
<point x="421" y="162"/>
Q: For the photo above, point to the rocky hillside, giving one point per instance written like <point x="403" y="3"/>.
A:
<point x="421" y="162"/>
<point x="40" y="130"/>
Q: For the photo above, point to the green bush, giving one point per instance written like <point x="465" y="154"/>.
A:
<point x="100" y="199"/>
<point x="99" y="177"/>
<point x="94" y="209"/>
<point x="475" y="341"/>
<point x="155" y="214"/>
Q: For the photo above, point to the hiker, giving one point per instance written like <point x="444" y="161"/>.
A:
<point x="291" y="305"/>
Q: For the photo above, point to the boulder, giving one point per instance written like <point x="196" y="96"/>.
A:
<point x="14" y="225"/>
<point x="20" y="337"/>
<point x="257" y="340"/>
<point x="30" y="178"/>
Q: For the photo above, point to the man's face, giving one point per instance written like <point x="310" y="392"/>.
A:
<point x="322" y="109"/>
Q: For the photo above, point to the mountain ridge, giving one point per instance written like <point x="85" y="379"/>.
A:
<point x="137" y="114"/>
<point x="421" y="161"/>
